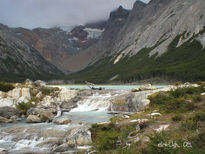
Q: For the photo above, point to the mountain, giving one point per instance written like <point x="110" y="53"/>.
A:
<point x="19" y="60"/>
<point x="163" y="39"/>
<point x="104" y="45"/>
<point x="57" y="45"/>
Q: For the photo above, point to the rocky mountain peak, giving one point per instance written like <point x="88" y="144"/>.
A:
<point x="139" y="4"/>
<point x="79" y="32"/>
<point x="119" y="13"/>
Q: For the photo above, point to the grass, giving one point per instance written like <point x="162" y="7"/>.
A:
<point x="187" y="125"/>
<point x="177" y="101"/>
<point x="106" y="137"/>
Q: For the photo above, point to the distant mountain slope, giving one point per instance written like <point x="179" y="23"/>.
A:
<point x="19" y="60"/>
<point x="58" y="45"/>
<point x="161" y="39"/>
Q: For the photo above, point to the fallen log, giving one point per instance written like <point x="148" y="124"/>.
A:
<point x="92" y="86"/>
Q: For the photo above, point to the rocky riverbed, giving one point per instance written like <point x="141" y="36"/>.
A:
<point x="44" y="119"/>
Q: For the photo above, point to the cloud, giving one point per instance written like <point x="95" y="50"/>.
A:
<point x="49" y="13"/>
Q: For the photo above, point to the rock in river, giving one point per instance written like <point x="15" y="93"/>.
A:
<point x="62" y="120"/>
<point x="8" y="112"/>
<point x="79" y="136"/>
<point x="33" y="119"/>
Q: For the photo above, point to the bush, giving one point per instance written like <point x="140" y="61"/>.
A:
<point x="105" y="137"/>
<point x="198" y="117"/>
<point x="176" y="101"/>
<point x="182" y="92"/>
<point x="177" y="118"/>
<point x="169" y="104"/>
<point x="24" y="107"/>
<point x="155" y="140"/>
<point x="5" y="87"/>
<point x="47" y="90"/>
<point x="193" y="122"/>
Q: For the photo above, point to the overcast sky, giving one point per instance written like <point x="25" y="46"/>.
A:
<point x="50" y="13"/>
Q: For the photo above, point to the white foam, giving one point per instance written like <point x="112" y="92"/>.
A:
<point x="96" y="102"/>
<point x="26" y="143"/>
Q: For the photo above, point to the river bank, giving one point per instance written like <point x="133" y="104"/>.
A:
<point x="56" y="119"/>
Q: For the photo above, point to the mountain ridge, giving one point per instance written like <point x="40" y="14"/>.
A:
<point x="19" y="60"/>
<point x="164" y="28"/>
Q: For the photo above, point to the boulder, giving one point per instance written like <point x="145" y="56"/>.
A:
<point x="62" y="148"/>
<point x="1" y="94"/>
<point x="34" y="111"/>
<point x="25" y="92"/>
<point x="161" y="128"/>
<point x="15" y="93"/>
<point x="39" y="95"/>
<point x="48" y="101"/>
<point x="33" y="119"/>
<point x="120" y="104"/>
<point x="3" y="120"/>
<point x="64" y="98"/>
<point x="40" y="83"/>
<point x="46" y="116"/>
<point x="4" y="102"/>
<point x="79" y="136"/>
<point x="28" y="82"/>
<point x="43" y="114"/>
<point x="147" y="87"/>
<point x="134" y="90"/>
<point x="62" y="120"/>
<point x="14" y="119"/>
<point x="8" y="112"/>
<point x="19" y="95"/>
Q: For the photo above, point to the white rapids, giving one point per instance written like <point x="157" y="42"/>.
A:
<point x="96" y="102"/>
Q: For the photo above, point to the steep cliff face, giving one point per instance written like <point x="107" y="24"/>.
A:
<point x="161" y="39"/>
<point x="19" y="60"/>
<point x="103" y="47"/>
<point x="162" y="20"/>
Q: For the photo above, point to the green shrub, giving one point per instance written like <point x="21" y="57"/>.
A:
<point x="176" y="101"/>
<point x="182" y="92"/>
<point x="169" y="104"/>
<point x="177" y="118"/>
<point x="5" y="87"/>
<point x="24" y="107"/>
<point x="105" y="137"/>
<point x="154" y="147"/>
<point x="193" y="122"/>
<point x="178" y="83"/>
<point x="198" y="117"/>
<point x="199" y="140"/>
<point x="48" y="90"/>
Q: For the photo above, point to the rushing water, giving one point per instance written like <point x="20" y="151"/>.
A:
<point x="89" y="117"/>
<point x="96" y="102"/>
<point x="19" y="137"/>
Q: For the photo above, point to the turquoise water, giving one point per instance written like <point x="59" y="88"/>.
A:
<point x="114" y="87"/>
